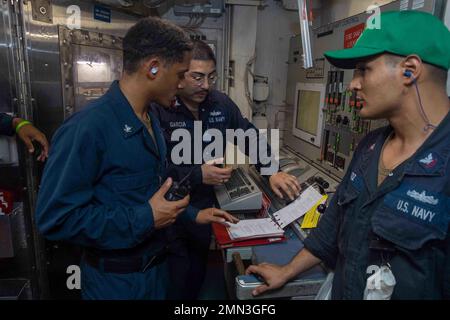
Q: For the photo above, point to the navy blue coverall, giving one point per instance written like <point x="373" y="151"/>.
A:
<point x="218" y="111"/>
<point x="102" y="169"/>
<point x="403" y="222"/>
<point x="6" y="127"/>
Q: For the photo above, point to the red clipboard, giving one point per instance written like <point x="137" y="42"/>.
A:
<point x="223" y="238"/>
<point x="224" y="241"/>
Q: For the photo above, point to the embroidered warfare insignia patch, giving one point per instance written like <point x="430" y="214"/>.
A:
<point x="422" y="197"/>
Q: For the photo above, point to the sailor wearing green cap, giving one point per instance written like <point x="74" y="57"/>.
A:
<point x="386" y="231"/>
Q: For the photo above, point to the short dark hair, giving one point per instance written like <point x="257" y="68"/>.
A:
<point x="154" y="37"/>
<point x="202" y="51"/>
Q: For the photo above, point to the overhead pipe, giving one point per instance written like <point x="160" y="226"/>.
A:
<point x="306" y="39"/>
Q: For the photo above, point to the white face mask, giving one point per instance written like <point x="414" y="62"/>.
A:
<point x="380" y="285"/>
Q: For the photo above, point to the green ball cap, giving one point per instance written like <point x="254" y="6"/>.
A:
<point x="402" y="33"/>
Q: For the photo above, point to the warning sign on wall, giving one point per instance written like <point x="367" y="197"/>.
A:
<point x="352" y="34"/>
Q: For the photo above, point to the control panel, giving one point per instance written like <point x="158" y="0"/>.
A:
<point x="344" y="127"/>
<point x="336" y="138"/>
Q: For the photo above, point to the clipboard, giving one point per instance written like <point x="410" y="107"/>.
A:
<point x="224" y="241"/>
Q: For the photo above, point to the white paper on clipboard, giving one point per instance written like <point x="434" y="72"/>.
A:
<point x="298" y="208"/>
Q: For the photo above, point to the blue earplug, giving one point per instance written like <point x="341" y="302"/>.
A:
<point x="409" y="74"/>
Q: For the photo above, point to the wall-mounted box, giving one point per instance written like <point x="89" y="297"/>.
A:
<point x="8" y="151"/>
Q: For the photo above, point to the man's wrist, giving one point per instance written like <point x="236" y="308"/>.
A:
<point x="15" y="122"/>
<point x="21" y="124"/>
<point x="289" y="271"/>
